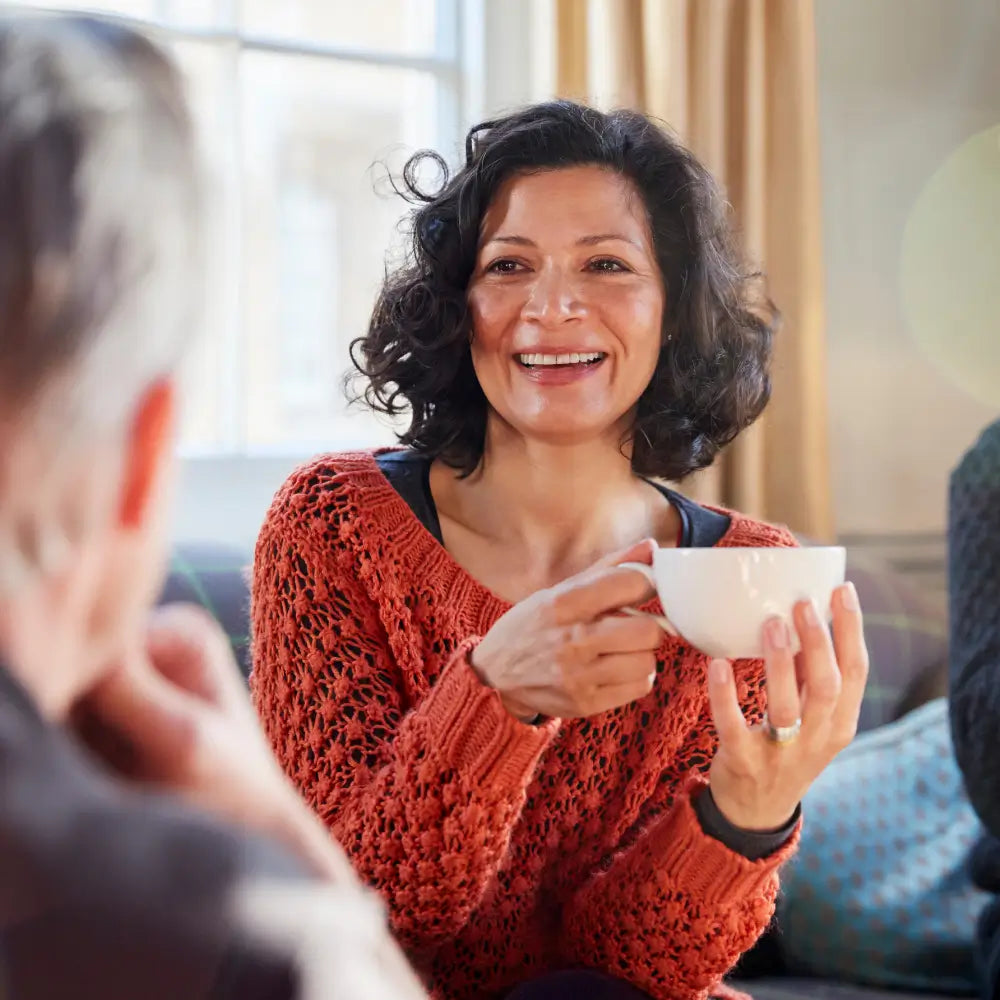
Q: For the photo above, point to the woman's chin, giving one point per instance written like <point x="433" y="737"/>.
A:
<point x="569" y="432"/>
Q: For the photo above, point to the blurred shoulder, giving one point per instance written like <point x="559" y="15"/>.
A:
<point x="979" y="467"/>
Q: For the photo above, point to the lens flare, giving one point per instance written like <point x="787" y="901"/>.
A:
<point x="950" y="268"/>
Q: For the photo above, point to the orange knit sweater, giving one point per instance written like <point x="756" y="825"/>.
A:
<point x="502" y="850"/>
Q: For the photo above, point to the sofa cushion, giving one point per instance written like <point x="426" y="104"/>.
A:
<point x="880" y="891"/>
<point x="823" y="989"/>
<point x="907" y="636"/>
<point x="214" y="576"/>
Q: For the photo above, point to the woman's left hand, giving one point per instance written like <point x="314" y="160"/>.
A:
<point x="756" y="781"/>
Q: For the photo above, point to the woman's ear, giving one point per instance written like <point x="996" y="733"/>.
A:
<point x="149" y="446"/>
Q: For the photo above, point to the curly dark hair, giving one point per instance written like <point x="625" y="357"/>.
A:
<point x="711" y="380"/>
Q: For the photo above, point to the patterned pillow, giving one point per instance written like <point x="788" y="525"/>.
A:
<point x="214" y="576"/>
<point x="880" y="890"/>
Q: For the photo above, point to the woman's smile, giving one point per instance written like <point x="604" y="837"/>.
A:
<point x="560" y="366"/>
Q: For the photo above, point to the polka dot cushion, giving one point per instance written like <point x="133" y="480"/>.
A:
<point x="880" y="892"/>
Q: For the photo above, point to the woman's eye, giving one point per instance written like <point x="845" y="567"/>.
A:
<point x="503" y="267"/>
<point x="607" y="264"/>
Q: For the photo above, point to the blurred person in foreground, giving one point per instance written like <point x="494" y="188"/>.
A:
<point x="974" y="654"/>
<point x="121" y="735"/>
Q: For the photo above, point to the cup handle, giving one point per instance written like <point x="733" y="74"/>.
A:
<point x="662" y="620"/>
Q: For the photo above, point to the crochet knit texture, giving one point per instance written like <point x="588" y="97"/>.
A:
<point x="502" y="850"/>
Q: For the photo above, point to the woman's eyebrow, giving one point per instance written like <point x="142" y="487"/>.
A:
<point x="582" y="241"/>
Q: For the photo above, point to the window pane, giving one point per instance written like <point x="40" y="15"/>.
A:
<point x="196" y="13"/>
<point x="176" y="13"/>
<point x="128" y="8"/>
<point x="315" y="231"/>
<point x="388" y="25"/>
<point x="210" y="74"/>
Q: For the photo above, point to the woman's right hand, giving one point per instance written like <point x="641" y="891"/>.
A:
<point x="565" y="653"/>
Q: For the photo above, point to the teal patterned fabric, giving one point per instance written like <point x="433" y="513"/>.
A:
<point x="880" y="891"/>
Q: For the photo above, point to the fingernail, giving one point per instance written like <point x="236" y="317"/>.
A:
<point x="777" y="633"/>
<point x="718" y="671"/>
<point x="811" y="614"/>
<point x="849" y="598"/>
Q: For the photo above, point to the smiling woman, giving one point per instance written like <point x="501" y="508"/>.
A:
<point x="533" y="780"/>
<point x="554" y="191"/>
<point x="566" y="293"/>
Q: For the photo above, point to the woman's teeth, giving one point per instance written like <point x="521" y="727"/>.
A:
<point x="530" y="360"/>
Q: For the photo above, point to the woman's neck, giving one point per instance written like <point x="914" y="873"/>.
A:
<point x="552" y="510"/>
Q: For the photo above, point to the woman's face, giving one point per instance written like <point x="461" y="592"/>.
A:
<point x="567" y="304"/>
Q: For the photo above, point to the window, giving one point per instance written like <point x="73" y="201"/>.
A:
<point x="295" y="100"/>
<point x="301" y="107"/>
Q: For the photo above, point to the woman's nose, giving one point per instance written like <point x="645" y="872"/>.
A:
<point x="553" y="297"/>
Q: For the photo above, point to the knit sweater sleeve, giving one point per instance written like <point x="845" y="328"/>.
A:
<point x="671" y="883"/>
<point x="422" y="788"/>
<point x="974" y="608"/>
<point x="675" y="884"/>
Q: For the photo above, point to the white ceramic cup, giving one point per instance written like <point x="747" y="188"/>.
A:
<point x="718" y="599"/>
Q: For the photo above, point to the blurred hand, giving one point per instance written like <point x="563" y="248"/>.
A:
<point x="565" y="653"/>
<point x="179" y="718"/>
<point x="756" y="782"/>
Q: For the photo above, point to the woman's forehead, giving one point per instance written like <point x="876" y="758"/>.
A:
<point x="572" y="202"/>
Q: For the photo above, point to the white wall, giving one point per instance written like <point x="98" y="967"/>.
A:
<point x="902" y="84"/>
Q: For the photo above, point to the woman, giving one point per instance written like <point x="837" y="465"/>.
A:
<point x="532" y="780"/>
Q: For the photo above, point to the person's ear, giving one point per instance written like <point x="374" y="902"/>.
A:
<point x="148" y="447"/>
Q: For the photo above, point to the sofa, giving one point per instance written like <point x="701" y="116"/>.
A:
<point x="906" y="635"/>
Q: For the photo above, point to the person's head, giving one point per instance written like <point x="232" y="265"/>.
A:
<point x="99" y="265"/>
<point x="571" y="232"/>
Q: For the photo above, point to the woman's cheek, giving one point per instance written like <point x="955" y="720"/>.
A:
<point x="492" y="310"/>
<point x="636" y="318"/>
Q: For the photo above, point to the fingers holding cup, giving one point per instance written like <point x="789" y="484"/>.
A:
<point x="784" y="708"/>
<point x="852" y="658"/>
<point x="727" y="713"/>
<point x="818" y="669"/>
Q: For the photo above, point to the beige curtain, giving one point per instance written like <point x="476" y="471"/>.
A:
<point x="737" y="80"/>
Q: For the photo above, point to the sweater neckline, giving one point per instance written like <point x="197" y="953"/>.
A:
<point x="421" y="553"/>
